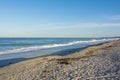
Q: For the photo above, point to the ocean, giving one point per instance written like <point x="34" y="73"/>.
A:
<point x="23" y="47"/>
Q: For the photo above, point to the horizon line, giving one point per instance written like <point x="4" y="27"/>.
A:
<point x="62" y="37"/>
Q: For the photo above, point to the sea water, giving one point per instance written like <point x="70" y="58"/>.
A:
<point x="22" y="47"/>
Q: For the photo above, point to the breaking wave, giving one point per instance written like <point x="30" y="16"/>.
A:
<point x="25" y="49"/>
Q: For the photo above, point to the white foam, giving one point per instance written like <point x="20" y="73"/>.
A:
<point x="25" y="49"/>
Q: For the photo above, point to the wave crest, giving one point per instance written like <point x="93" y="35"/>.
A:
<point x="25" y="49"/>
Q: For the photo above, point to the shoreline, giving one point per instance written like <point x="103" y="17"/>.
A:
<point x="22" y="51"/>
<point x="62" y="53"/>
<point x="94" y="62"/>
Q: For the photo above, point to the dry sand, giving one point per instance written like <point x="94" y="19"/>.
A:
<point x="94" y="63"/>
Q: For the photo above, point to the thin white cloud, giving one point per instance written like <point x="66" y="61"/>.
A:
<point x="99" y="25"/>
<point x="92" y="24"/>
<point x="114" y="17"/>
<point x="52" y="24"/>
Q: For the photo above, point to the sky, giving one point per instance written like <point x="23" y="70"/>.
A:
<point x="59" y="18"/>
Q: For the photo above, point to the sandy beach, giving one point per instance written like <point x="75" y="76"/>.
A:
<point x="59" y="39"/>
<point x="100" y="62"/>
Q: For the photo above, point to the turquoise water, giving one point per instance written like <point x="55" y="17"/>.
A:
<point x="20" y="47"/>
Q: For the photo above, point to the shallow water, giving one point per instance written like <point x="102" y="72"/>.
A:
<point x="21" y="47"/>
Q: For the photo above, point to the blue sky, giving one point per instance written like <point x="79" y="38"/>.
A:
<point x="59" y="18"/>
